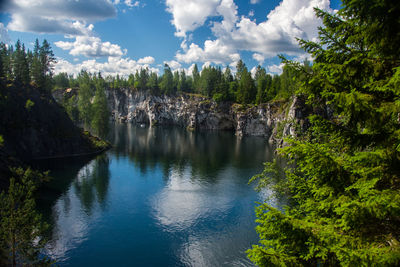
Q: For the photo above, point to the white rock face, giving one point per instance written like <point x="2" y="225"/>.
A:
<point x="195" y="112"/>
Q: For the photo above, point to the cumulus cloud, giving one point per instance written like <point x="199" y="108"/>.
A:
<point x="260" y="58"/>
<point x="254" y="2"/>
<point x="146" y="60"/>
<point x="213" y="51"/>
<point x="113" y="66"/>
<point x="174" y="65"/>
<point x="291" y="19"/>
<point x="276" y="69"/>
<point x="187" y="15"/>
<point x="90" y="46"/>
<point x="57" y="16"/>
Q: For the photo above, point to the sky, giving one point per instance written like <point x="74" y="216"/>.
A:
<point x="121" y="36"/>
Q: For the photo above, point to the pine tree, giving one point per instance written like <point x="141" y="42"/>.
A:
<point x="42" y="65"/>
<point x="343" y="180"/>
<point x="152" y="84"/>
<point x="85" y="95"/>
<point x="100" y="110"/>
<point x="20" y="64"/>
<point x="246" y="93"/>
<point x="240" y="67"/>
<point x="261" y="84"/>
<point x="167" y="81"/>
<point x="22" y="230"/>
<point x="196" y="78"/>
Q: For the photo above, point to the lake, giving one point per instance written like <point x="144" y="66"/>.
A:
<point x="159" y="197"/>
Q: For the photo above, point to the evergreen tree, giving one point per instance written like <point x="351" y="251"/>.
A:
<point x="85" y="95"/>
<point x="100" y="110"/>
<point x="167" y="82"/>
<point x="152" y="84"/>
<point x="182" y="85"/>
<point x="20" y="64"/>
<point x="42" y="65"/>
<point x="3" y="61"/>
<point x="22" y="230"/>
<point x="61" y="80"/>
<point x="196" y="78"/>
<point x="246" y="93"/>
<point x="131" y="81"/>
<point x="176" y="78"/>
<point x="343" y="180"/>
<point x="261" y="84"/>
<point x="143" y="79"/>
<point x="240" y="67"/>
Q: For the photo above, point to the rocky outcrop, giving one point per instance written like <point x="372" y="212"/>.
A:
<point x="273" y="121"/>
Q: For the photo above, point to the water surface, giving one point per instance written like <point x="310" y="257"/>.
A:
<point x="160" y="197"/>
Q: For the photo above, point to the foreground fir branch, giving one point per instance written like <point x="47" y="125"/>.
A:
<point x="344" y="187"/>
<point x="21" y="226"/>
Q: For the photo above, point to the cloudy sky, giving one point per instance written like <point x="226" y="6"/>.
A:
<point x="120" y="36"/>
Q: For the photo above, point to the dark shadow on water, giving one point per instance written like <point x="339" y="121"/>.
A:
<point x="206" y="151"/>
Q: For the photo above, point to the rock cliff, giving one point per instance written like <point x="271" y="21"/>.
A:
<point x="273" y="120"/>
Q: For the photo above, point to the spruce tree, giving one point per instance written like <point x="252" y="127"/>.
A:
<point x="22" y="229"/>
<point x="100" y="110"/>
<point x="343" y="182"/>
<point x="167" y="82"/>
<point x="196" y="78"/>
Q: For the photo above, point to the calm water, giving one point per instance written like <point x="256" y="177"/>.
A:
<point x="160" y="197"/>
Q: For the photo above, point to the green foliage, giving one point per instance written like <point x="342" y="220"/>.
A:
<point x="167" y="81"/>
<point x="29" y="104"/>
<point x="42" y="65"/>
<point x="70" y="106"/>
<point x="20" y="64"/>
<point x="61" y="80"/>
<point x="101" y="113"/>
<point x="22" y="229"/>
<point x="84" y="103"/>
<point x="246" y="93"/>
<point x="343" y="177"/>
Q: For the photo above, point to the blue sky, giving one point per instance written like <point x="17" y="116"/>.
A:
<point x="121" y="36"/>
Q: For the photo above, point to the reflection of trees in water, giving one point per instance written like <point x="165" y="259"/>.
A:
<point x="92" y="183"/>
<point x="206" y="152"/>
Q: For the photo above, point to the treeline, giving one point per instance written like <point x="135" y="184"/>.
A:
<point x="89" y="106"/>
<point x="26" y="67"/>
<point x="212" y="81"/>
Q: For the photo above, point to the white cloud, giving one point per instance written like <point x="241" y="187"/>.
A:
<point x="253" y="71"/>
<point x="56" y="16"/>
<point x="113" y="66"/>
<point x="213" y="51"/>
<point x="291" y="19"/>
<point x="90" y="46"/>
<point x="4" y="37"/>
<point x="260" y="58"/>
<point x="254" y="2"/>
<point x="187" y="15"/>
<point x="146" y="60"/>
<point x="174" y="65"/>
<point x="251" y="13"/>
<point x="130" y="4"/>
<point x="275" y="69"/>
